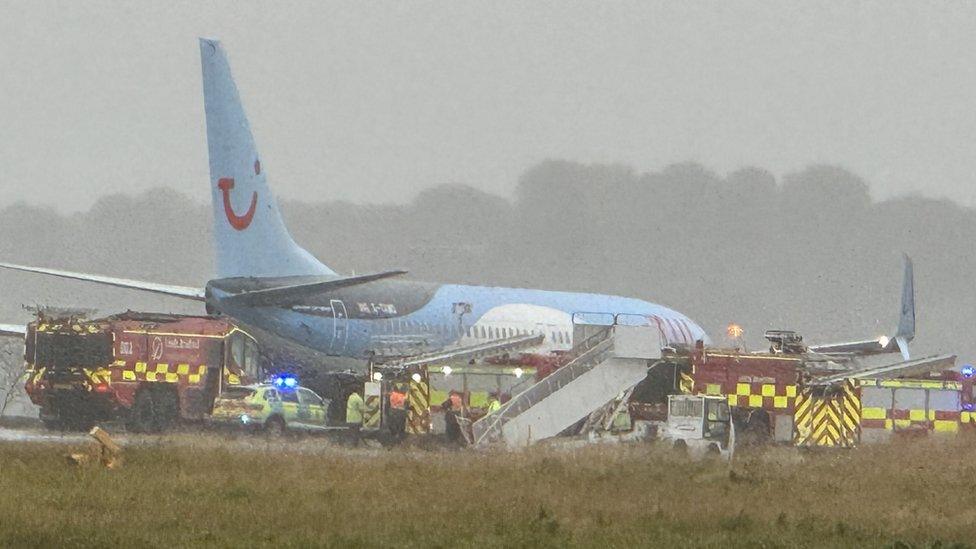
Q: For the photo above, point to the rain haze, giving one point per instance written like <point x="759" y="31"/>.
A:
<point x="374" y="102"/>
<point x="728" y="161"/>
<point x="736" y="167"/>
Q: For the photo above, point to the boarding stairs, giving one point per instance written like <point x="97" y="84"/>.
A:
<point x="607" y="363"/>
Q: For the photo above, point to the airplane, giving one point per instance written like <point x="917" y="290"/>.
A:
<point x="265" y="279"/>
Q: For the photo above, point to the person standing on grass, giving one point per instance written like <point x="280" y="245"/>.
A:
<point x="397" y="415"/>
<point x="453" y="428"/>
<point x="354" y="415"/>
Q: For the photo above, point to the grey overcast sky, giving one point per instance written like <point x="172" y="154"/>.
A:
<point x="372" y="102"/>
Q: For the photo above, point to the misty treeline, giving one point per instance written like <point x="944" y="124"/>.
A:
<point x="810" y="251"/>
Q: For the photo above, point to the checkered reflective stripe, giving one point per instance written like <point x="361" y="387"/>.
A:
<point x="161" y="372"/>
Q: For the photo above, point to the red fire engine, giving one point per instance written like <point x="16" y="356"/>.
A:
<point x="779" y="395"/>
<point x="148" y="369"/>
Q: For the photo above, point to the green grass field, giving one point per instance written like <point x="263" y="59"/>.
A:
<point x="203" y="491"/>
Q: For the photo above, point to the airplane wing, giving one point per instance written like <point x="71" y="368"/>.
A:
<point x="14" y="330"/>
<point x="288" y="295"/>
<point x="185" y="292"/>
<point x="917" y="367"/>
<point x="904" y="333"/>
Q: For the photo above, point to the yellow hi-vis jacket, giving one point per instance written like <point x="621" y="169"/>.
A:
<point x="493" y="406"/>
<point x="354" y="408"/>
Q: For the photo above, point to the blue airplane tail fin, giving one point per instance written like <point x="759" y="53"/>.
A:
<point x="250" y="237"/>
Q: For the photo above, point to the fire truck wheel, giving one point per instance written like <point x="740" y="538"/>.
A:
<point x="274" y="427"/>
<point x="758" y="427"/>
<point x="143" y="413"/>
<point x="77" y="424"/>
<point x="166" y="405"/>
<point x="52" y="423"/>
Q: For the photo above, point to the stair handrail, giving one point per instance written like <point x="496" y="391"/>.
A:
<point x="499" y="416"/>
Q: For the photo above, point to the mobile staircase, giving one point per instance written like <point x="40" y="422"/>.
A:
<point x="609" y="360"/>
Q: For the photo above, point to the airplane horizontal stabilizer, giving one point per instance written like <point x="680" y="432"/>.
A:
<point x="904" y="333"/>
<point x="184" y="292"/>
<point x="288" y="295"/>
<point x="15" y="330"/>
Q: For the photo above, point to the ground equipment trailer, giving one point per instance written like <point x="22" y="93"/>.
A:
<point x="778" y="396"/>
<point x="147" y="369"/>
<point x="700" y="425"/>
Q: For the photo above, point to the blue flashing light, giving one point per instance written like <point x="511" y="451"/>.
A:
<point x="968" y="407"/>
<point x="285" y="381"/>
<point x="968" y="370"/>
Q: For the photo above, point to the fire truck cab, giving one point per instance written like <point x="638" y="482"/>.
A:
<point x="149" y="370"/>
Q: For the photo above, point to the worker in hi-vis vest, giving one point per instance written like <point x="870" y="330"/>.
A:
<point x="354" y="414"/>
<point x="493" y="404"/>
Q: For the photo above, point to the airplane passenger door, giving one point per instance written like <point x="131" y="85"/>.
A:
<point x="339" y="327"/>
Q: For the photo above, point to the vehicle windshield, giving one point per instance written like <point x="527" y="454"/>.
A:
<point x="236" y="393"/>
<point x="53" y="350"/>
<point x="718" y="410"/>
<point x="686" y="407"/>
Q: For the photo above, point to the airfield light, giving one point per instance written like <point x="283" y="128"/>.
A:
<point x="735" y="331"/>
<point x="518" y="372"/>
<point x="416" y="378"/>
<point x="377" y="376"/>
<point x="447" y="370"/>
<point x="883" y="341"/>
<point x="968" y="370"/>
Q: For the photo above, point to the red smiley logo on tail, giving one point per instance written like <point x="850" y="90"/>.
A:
<point x="239" y="222"/>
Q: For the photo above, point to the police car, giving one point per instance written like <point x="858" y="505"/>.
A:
<point x="276" y="406"/>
